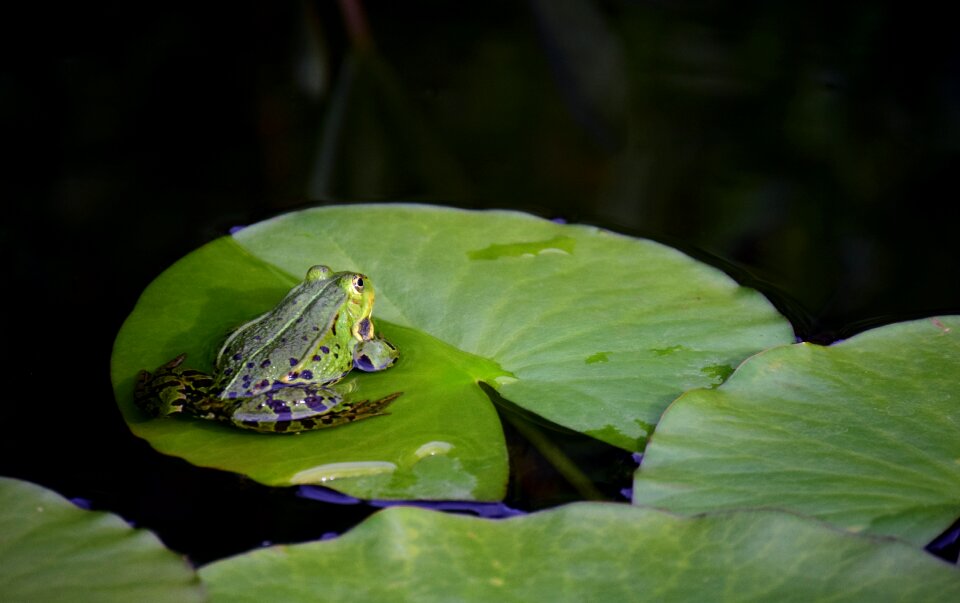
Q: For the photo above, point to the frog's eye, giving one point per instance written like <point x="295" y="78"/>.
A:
<point x="358" y="283"/>
<point x="318" y="273"/>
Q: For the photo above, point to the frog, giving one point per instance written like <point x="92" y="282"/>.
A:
<point x="280" y="372"/>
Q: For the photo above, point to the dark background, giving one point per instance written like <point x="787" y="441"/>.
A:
<point x="810" y="149"/>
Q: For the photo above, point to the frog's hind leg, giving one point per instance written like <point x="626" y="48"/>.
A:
<point x="296" y="409"/>
<point x="171" y="389"/>
<point x="356" y="411"/>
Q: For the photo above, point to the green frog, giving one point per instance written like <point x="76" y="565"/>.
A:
<point x="279" y="372"/>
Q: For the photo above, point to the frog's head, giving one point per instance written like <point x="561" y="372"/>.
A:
<point x="358" y="304"/>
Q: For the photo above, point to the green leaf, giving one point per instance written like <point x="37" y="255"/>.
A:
<point x="541" y="300"/>
<point x="592" y="330"/>
<point x="586" y="552"/>
<point x="864" y="434"/>
<point x="50" y="550"/>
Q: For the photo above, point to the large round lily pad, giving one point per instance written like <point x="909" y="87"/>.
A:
<point x="586" y="552"/>
<point x="593" y="330"/>
<point x="442" y="439"/>
<point x="50" y="550"/>
<point x="864" y="433"/>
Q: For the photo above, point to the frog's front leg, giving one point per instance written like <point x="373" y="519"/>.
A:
<point x="374" y="355"/>
<point x="297" y="408"/>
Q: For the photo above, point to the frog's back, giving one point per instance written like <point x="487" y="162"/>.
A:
<point x="267" y="348"/>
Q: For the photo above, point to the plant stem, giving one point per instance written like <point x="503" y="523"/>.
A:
<point x="560" y="461"/>
<point x="355" y="21"/>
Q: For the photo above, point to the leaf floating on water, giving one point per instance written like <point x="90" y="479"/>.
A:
<point x="864" y="433"/>
<point x="587" y="552"/>
<point x="567" y="336"/>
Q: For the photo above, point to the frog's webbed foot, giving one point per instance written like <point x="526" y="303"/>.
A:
<point x="362" y="410"/>
<point x="171" y="389"/>
<point x="300" y="408"/>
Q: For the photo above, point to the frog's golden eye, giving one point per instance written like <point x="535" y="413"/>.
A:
<point x="358" y="283"/>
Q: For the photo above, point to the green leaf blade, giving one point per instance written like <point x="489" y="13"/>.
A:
<point x="539" y="298"/>
<point x="586" y="552"/>
<point x="50" y="550"/>
<point x="592" y="330"/>
<point x="864" y="434"/>
<point x="446" y="445"/>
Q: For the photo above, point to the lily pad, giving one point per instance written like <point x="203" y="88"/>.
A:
<point x="442" y="438"/>
<point x="864" y="434"/>
<point x="50" y="550"/>
<point x="592" y="330"/>
<point x="542" y="300"/>
<point x="586" y="552"/>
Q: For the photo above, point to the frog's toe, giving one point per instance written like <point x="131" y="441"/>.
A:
<point x="369" y="408"/>
<point x="174" y="363"/>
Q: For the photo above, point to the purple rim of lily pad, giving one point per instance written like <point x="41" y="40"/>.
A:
<point x="326" y="495"/>
<point x="494" y="510"/>
<point x="946" y="545"/>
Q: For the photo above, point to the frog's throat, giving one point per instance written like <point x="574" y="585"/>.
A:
<point x="362" y="330"/>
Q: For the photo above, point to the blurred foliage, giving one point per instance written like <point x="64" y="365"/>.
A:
<point x="804" y="143"/>
<point x="807" y="142"/>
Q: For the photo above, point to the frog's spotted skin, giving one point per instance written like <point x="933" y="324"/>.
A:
<point x="278" y="372"/>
